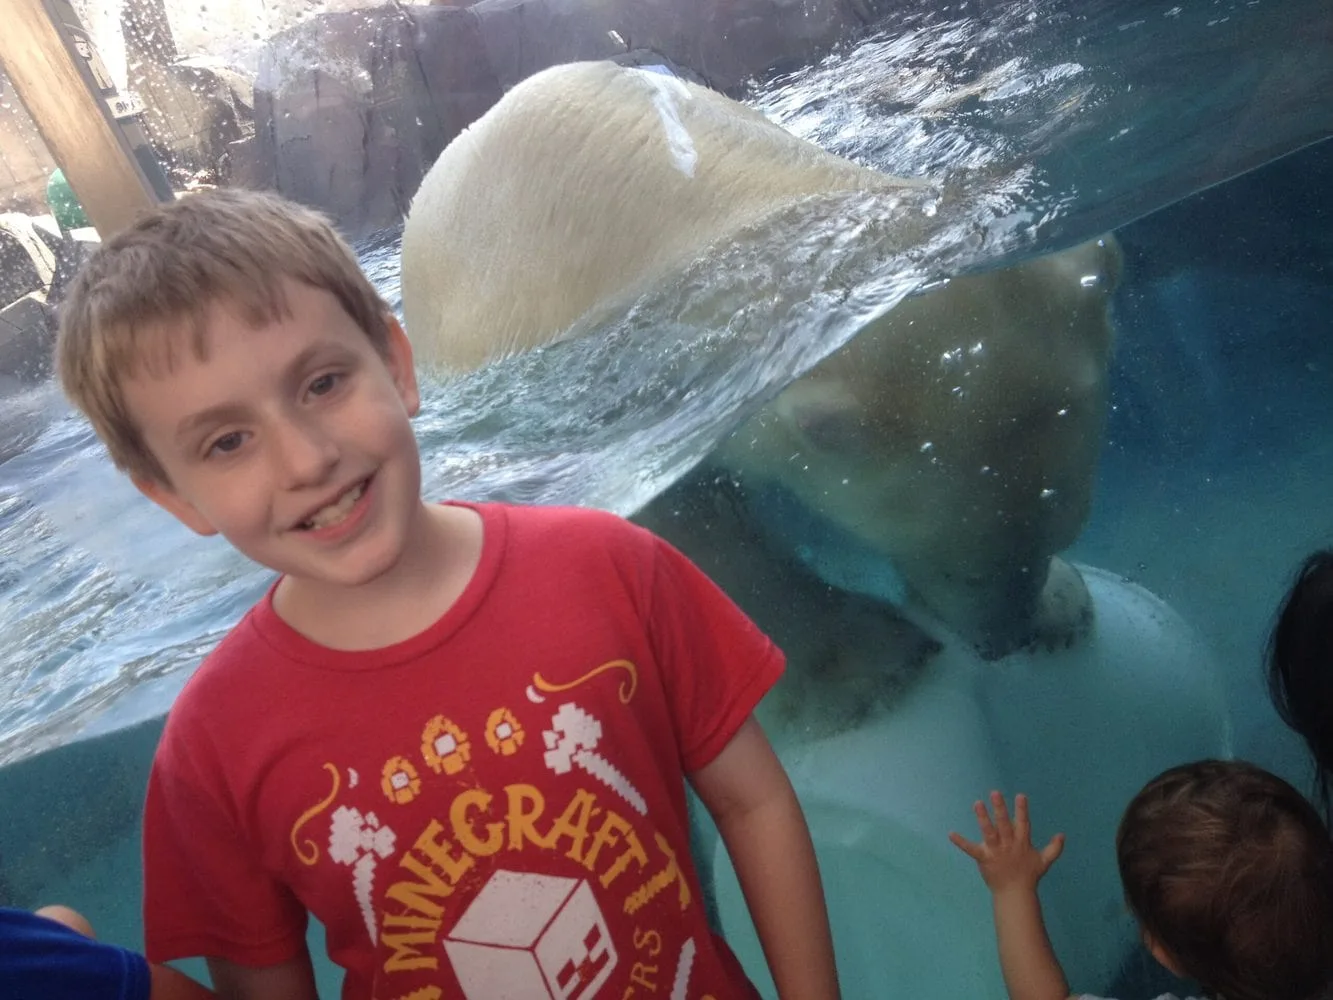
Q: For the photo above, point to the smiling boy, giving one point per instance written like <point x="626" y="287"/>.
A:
<point x="457" y="734"/>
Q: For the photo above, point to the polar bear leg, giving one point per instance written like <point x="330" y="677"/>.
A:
<point x="1064" y="617"/>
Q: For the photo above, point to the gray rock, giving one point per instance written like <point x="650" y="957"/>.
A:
<point x="19" y="272"/>
<point x="37" y="261"/>
<point x="27" y="333"/>
<point x="352" y="108"/>
<point x="195" y="109"/>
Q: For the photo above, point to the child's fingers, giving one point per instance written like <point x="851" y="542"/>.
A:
<point x="1002" y="822"/>
<point x="1053" y="850"/>
<point x="988" y="833"/>
<point x="1022" y="828"/>
<point x="974" y="851"/>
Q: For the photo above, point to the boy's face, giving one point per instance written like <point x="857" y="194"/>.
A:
<point x="293" y="440"/>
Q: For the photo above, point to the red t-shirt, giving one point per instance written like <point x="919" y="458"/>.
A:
<point x="492" y="808"/>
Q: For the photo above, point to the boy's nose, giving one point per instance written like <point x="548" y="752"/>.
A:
<point x="305" y="454"/>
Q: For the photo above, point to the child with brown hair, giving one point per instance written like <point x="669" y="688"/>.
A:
<point x="458" y="734"/>
<point x="1227" y="868"/>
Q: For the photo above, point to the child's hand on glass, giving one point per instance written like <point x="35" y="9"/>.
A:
<point x="1005" y="855"/>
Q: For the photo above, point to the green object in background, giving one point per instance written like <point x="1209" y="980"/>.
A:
<point x="64" y="206"/>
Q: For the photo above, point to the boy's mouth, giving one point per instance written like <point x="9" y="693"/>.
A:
<point x="335" y="512"/>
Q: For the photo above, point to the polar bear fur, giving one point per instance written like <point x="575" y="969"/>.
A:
<point x="583" y="185"/>
<point x="954" y="439"/>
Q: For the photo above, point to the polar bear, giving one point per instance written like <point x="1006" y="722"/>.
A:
<point x="577" y="190"/>
<point x="936" y="463"/>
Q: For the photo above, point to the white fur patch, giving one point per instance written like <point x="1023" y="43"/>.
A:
<point x="667" y="91"/>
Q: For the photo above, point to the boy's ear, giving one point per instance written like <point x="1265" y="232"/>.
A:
<point x="175" y="505"/>
<point x="1164" y="958"/>
<point x="401" y="366"/>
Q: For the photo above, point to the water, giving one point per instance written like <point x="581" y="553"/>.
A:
<point x="1048" y="124"/>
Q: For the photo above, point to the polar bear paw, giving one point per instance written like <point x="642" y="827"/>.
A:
<point x="1064" y="617"/>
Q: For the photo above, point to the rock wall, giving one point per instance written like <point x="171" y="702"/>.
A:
<point x="352" y="108"/>
<point x="196" y="109"/>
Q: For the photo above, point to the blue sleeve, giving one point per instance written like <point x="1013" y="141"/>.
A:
<point x="43" y="960"/>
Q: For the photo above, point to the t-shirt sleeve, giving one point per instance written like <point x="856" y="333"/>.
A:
<point x="716" y="663"/>
<point x="205" y="890"/>
<point x="44" y="960"/>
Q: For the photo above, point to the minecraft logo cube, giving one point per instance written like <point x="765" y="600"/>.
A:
<point x="531" y="937"/>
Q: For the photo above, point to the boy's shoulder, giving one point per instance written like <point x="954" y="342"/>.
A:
<point x="593" y="520"/>
<point x="237" y="669"/>
<point x="575" y="531"/>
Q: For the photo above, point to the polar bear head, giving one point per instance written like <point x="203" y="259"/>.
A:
<point x="957" y="437"/>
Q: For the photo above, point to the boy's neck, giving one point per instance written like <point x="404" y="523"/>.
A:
<point x="432" y="574"/>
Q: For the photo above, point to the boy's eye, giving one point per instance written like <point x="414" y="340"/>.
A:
<point x="323" y="384"/>
<point x="226" y="443"/>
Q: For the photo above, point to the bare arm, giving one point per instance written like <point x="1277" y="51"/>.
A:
<point x="1031" y="970"/>
<point x="1012" y="867"/>
<point x="290" y="980"/>
<point x="747" y="792"/>
<point x="168" y="984"/>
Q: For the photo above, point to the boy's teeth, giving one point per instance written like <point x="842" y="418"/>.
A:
<point x="337" y="510"/>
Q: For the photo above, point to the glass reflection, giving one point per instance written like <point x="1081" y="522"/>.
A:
<point x="1054" y="127"/>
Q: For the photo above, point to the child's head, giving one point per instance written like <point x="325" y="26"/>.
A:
<point x="1300" y="665"/>
<point x="144" y="297"/>
<point x="242" y="369"/>
<point x="1229" y="870"/>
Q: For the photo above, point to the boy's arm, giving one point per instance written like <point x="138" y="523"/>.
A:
<point x="747" y="792"/>
<point x="205" y="893"/>
<point x="290" y="980"/>
<point x="1011" y="868"/>
<point x="168" y="984"/>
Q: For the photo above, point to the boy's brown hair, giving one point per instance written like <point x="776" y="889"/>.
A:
<point x="140" y="291"/>
<point x="1230" y="869"/>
